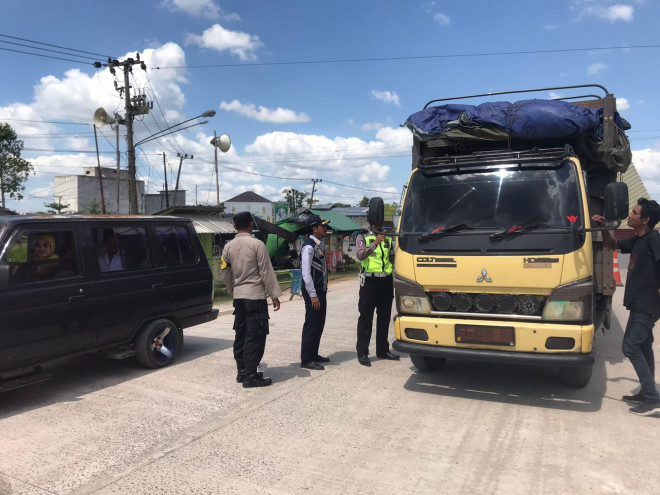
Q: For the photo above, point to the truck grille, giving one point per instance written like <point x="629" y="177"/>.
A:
<point x="505" y="304"/>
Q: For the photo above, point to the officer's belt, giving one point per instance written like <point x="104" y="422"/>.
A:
<point x="379" y="274"/>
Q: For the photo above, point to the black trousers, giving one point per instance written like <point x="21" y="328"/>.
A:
<point x="376" y="294"/>
<point x="313" y="326"/>
<point x="251" y="326"/>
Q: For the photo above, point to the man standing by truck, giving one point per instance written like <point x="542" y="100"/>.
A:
<point x="247" y="272"/>
<point x="374" y="251"/>
<point x="641" y="298"/>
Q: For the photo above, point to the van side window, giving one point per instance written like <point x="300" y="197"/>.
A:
<point x="38" y="255"/>
<point x="175" y="245"/>
<point x="122" y="248"/>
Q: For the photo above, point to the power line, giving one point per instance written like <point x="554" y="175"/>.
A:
<point x="418" y="57"/>
<point x="54" y="46"/>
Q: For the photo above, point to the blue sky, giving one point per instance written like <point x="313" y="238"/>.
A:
<point x="305" y="89"/>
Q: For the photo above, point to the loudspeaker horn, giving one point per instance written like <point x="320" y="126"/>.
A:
<point x="223" y="142"/>
<point x="102" y="118"/>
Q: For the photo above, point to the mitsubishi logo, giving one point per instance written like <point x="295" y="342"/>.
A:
<point x="484" y="277"/>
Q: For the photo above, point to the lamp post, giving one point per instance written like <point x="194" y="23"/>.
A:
<point x="224" y="143"/>
<point x="101" y="118"/>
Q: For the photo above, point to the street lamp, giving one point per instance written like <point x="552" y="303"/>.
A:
<point x="101" y="118"/>
<point x="224" y="143"/>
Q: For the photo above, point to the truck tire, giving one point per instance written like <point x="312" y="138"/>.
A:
<point x="576" y="376"/>
<point x="158" y="343"/>
<point x="426" y="363"/>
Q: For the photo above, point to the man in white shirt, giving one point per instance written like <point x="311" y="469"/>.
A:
<point x="112" y="260"/>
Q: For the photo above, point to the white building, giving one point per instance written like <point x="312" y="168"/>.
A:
<point x="83" y="192"/>
<point x="252" y="202"/>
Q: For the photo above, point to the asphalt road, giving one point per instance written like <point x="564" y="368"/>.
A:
<point x="111" y="427"/>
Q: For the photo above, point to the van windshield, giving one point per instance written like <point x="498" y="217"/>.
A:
<point x="492" y="200"/>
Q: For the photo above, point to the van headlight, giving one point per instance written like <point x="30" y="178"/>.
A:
<point x="571" y="302"/>
<point x="410" y="297"/>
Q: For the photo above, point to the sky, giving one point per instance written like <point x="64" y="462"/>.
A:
<point x="305" y="89"/>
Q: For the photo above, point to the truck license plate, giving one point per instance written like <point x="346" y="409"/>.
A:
<point x="484" y="334"/>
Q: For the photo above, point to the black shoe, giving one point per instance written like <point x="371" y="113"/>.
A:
<point x="257" y="382"/>
<point x="646" y="408"/>
<point x="638" y="397"/>
<point x="321" y="359"/>
<point x="364" y="360"/>
<point x="311" y="365"/>
<point x="240" y="376"/>
<point x="389" y="355"/>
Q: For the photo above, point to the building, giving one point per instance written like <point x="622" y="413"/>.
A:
<point x="252" y="202"/>
<point x="83" y="192"/>
<point x="159" y="201"/>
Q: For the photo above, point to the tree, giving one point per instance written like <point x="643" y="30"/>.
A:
<point x="340" y="205"/>
<point x="364" y="201"/>
<point x="295" y="199"/>
<point x="14" y="170"/>
<point x="57" y="208"/>
<point x="311" y="202"/>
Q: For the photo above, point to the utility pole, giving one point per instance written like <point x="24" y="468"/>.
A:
<point x="167" y="195"/>
<point x="314" y="181"/>
<point x="98" y="161"/>
<point x="181" y="158"/>
<point x="217" y="178"/>
<point x="118" y="174"/>
<point x="131" y="110"/>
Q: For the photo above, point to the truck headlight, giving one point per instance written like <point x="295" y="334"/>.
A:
<point x="410" y="297"/>
<point x="571" y="302"/>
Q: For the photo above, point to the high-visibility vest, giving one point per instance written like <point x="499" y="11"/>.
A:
<point x="379" y="261"/>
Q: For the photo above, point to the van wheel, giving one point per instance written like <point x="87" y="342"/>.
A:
<point x="158" y="343"/>
<point x="426" y="363"/>
<point x="576" y="376"/>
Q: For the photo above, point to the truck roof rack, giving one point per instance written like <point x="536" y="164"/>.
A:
<point x="495" y="157"/>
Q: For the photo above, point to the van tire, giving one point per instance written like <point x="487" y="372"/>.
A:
<point x="158" y="343"/>
<point x="576" y="376"/>
<point x="426" y="363"/>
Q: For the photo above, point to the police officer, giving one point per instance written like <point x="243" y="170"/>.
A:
<point x="247" y="272"/>
<point x="314" y="267"/>
<point x="374" y="251"/>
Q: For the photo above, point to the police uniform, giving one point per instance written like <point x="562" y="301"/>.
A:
<point x="314" y="267"/>
<point x="376" y="293"/>
<point x="248" y="273"/>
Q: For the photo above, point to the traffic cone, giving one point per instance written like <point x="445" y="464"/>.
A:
<point x="615" y="269"/>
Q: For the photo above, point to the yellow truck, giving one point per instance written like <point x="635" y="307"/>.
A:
<point x="496" y="257"/>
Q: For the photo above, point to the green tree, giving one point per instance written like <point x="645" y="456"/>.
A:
<point x="340" y="205"/>
<point x="295" y="199"/>
<point x="364" y="201"/>
<point x="57" y="208"/>
<point x="14" y="170"/>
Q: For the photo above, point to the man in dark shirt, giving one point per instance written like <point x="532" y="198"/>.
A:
<point x="641" y="298"/>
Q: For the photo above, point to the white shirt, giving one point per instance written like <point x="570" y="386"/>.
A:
<point x="112" y="265"/>
<point x="306" y="255"/>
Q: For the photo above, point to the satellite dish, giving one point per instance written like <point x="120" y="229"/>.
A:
<point x="223" y="142"/>
<point x="102" y="118"/>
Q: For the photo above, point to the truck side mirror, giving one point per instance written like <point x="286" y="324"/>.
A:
<point x="616" y="201"/>
<point x="376" y="213"/>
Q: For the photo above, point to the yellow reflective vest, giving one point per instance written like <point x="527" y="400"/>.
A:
<point x="379" y="260"/>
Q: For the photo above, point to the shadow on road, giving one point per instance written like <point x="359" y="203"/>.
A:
<point x="283" y="373"/>
<point x="76" y="376"/>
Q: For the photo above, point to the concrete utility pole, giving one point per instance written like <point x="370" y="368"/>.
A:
<point x="167" y="195"/>
<point x="314" y="181"/>
<point x="217" y="178"/>
<point x="98" y="161"/>
<point x="181" y="158"/>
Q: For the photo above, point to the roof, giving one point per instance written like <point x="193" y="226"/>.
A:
<point x="338" y="221"/>
<point x="248" y="197"/>
<point x="353" y="211"/>
<point x="205" y="219"/>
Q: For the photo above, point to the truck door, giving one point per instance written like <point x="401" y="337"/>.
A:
<point x="46" y="298"/>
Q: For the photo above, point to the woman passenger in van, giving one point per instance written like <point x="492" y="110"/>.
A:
<point x="44" y="265"/>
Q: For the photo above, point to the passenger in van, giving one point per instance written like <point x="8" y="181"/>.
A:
<point x="112" y="260"/>
<point x="45" y="264"/>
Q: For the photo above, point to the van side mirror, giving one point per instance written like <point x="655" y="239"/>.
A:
<point x="376" y="213"/>
<point x="616" y="201"/>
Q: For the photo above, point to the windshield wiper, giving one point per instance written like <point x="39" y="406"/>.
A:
<point x="526" y="226"/>
<point x="440" y="231"/>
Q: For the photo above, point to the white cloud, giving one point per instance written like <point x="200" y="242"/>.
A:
<point x="611" y="13"/>
<point x="263" y="114"/>
<point x="386" y="96"/>
<point x="371" y="126"/>
<point x="622" y="104"/>
<point x="550" y="27"/>
<point x="595" y="68"/>
<point x="196" y="8"/>
<point x="243" y="45"/>
<point x="442" y="19"/>
<point x="647" y="163"/>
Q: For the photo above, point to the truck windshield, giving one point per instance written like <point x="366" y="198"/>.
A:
<point x="491" y="201"/>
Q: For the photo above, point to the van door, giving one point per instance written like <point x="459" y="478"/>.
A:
<point x="189" y="281"/>
<point x="46" y="299"/>
<point x="128" y="283"/>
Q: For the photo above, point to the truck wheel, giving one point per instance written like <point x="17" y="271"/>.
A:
<point x="158" y="343"/>
<point x="426" y="363"/>
<point x="576" y="376"/>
